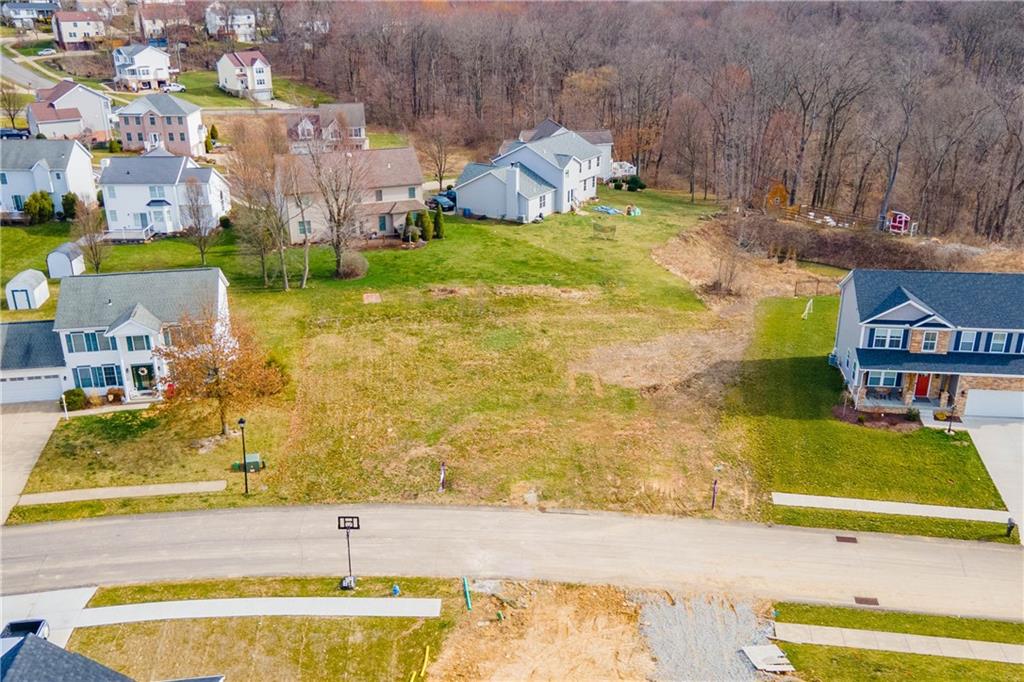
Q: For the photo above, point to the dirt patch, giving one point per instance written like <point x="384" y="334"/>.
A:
<point x="875" y="420"/>
<point x="549" y="632"/>
<point x="542" y="290"/>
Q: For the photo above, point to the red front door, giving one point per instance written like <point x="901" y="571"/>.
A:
<point x="921" y="387"/>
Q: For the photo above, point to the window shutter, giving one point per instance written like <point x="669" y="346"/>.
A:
<point x="871" y="337"/>
<point x="120" y="378"/>
<point x="91" y="343"/>
<point x="1020" y="343"/>
<point x="956" y="341"/>
<point x="128" y="340"/>
<point x="78" y="382"/>
<point x="899" y="379"/>
<point x="906" y="339"/>
<point x="71" y="349"/>
<point x="149" y="344"/>
<point x="113" y="343"/>
<point x="988" y="342"/>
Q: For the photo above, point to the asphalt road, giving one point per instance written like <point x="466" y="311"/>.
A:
<point x="917" y="574"/>
<point x="22" y="76"/>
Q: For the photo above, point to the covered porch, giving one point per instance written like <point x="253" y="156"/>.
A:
<point x="893" y="391"/>
<point x="387" y="218"/>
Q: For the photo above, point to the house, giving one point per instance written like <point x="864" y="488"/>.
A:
<point x="52" y="166"/>
<point x="391" y="182"/>
<point x="510" y="192"/>
<point x="563" y="160"/>
<point x="31" y="658"/>
<point x="148" y="195"/>
<point x="162" y="120"/>
<point x="93" y="110"/>
<point x="26" y="14"/>
<point x="45" y="118"/>
<point x="66" y="260"/>
<point x="27" y="290"/>
<point x="245" y="74"/>
<point x="929" y="340"/>
<point x="329" y="125"/>
<point x="142" y="67"/>
<point x="155" y="22"/>
<point x="108" y="9"/>
<point x="105" y="331"/>
<point x="236" y="22"/>
<point x="602" y="139"/>
<point x="78" y="30"/>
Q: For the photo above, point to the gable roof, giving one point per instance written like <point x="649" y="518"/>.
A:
<point x="246" y="57"/>
<point x="24" y="154"/>
<point x="161" y="104"/>
<point x="140" y="316"/>
<point x="135" y="48"/>
<point x="28" y="345"/>
<point x="558" y="149"/>
<point x="353" y="113"/>
<point x="163" y="12"/>
<point x="550" y="126"/>
<point x="71" y="15"/>
<point x="46" y="112"/>
<point x="530" y="184"/>
<point x="153" y="168"/>
<point x="26" y="278"/>
<point x="986" y="300"/>
<point x="603" y="136"/>
<point x="393" y="167"/>
<point x="32" y="659"/>
<point x="165" y="295"/>
<point x="69" y="249"/>
<point x="63" y="88"/>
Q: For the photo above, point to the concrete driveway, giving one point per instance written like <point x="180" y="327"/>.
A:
<point x="26" y="428"/>
<point x="1000" y="443"/>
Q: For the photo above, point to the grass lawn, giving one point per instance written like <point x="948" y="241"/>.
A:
<point x="275" y="647"/>
<point x="782" y="411"/>
<point x="840" y="664"/>
<point x="201" y="88"/>
<point x="381" y="394"/>
<point x="383" y="139"/>
<point x="32" y="48"/>
<point x="296" y="92"/>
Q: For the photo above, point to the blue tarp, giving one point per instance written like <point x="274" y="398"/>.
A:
<point x="607" y="209"/>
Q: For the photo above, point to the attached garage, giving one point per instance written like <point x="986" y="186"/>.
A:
<point x="31" y="362"/>
<point x="998" y="404"/>
<point x="32" y="387"/>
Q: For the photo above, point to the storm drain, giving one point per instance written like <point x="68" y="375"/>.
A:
<point x="866" y="601"/>
<point x="846" y="538"/>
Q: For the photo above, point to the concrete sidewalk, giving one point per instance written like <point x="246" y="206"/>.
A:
<point x="60" y="608"/>
<point x="880" y="507"/>
<point x="123" y="491"/>
<point x="899" y="642"/>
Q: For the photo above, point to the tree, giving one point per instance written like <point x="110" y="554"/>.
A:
<point x="208" y="143"/>
<point x="90" y="231"/>
<point x="439" y="137"/>
<point x="255" y="238"/>
<point x="339" y="179"/>
<point x="201" y="227"/>
<point x="427" y="227"/>
<point x="210" y="360"/>
<point x="68" y="204"/>
<point x="115" y="146"/>
<point x="214" y="134"/>
<point x="438" y="223"/>
<point x="39" y="207"/>
<point x="10" y="101"/>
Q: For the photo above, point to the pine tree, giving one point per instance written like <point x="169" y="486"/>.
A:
<point x="427" y="230"/>
<point x="213" y="132"/>
<point x="438" y="223"/>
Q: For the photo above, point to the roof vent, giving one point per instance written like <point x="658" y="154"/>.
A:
<point x="110" y="301"/>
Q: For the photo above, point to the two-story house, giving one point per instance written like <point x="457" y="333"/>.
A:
<point x="78" y="30"/>
<point x="26" y="14"/>
<point x="390" y="187"/>
<point x="108" y="9"/>
<point x="80" y="108"/>
<point x="141" y="67"/>
<point x="52" y="166"/>
<point x="236" y="22"/>
<point x="933" y="340"/>
<point x="245" y="74"/>
<point x="104" y="333"/>
<point x="600" y="138"/>
<point x="149" y="195"/>
<point x="162" y="120"/>
<point x="328" y="125"/>
<point x="156" y="21"/>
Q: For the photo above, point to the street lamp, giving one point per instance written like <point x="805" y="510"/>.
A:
<point x="245" y="463"/>
<point x="348" y="524"/>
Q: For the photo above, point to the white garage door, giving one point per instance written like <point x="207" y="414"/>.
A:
<point x="27" y="389"/>
<point x="995" y="404"/>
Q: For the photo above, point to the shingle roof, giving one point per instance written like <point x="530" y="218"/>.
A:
<point x="1008" y="364"/>
<point x="986" y="300"/>
<point x="139" y="315"/>
<point x="163" y="12"/>
<point x="28" y="345"/>
<point x="550" y="126"/>
<point x="473" y="171"/>
<point x="69" y="249"/>
<point x="101" y="300"/>
<point x="62" y="88"/>
<point x="150" y="169"/>
<point x="39" y="6"/>
<point x="71" y="15"/>
<point x="596" y="136"/>
<point x="27" y="278"/>
<point x="353" y="113"/>
<point x="135" y="48"/>
<point x="246" y="57"/>
<point x="34" y="659"/>
<point x="558" y="149"/>
<point x="392" y="167"/>
<point x="530" y="184"/>
<point x="23" y="154"/>
<point x="161" y="104"/>
<point x="46" y="112"/>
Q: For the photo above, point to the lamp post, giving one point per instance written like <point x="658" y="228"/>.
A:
<point x="245" y="464"/>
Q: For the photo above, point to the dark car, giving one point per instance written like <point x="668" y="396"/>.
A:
<point x="440" y="199"/>
<point x="13" y="134"/>
<point x="20" y="628"/>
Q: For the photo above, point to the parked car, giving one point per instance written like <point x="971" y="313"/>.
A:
<point x="174" y="87"/>
<point x="21" y="628"/>
<point x="47" y="52"/>
<point x="440" y="199"/>
<point x="14" y="134"/>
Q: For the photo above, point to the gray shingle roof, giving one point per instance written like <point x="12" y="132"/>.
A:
<point x="530" y="184"/>
<point x="558" y="149"/>
<point x="393" y="167"/>
<point x="34" y="659"/>
<point x="987" y="300"/>
<point x="139" y="315"/>
<point x="28" y="345"/>
<point x="1008" y="364"/>
<point x="161" y="103"/>
<point x="69" y="249"/>
<point x="101" y="300"/>
<point x="151" y="169"/>
<point x="38" y="6"/>
<point x="23" y="154"/>
<point x="28" y="279"/>
<point x="134" y="49"/>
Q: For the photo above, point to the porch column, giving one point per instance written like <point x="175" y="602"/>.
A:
<point x="909" y="386"/>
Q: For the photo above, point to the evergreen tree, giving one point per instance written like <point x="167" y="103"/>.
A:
<point x="213" y="132"/>
<point x="438" y="223"/>
<point x="427" y="229"/>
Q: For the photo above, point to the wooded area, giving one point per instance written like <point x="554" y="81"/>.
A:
<point x="854" y="106"/>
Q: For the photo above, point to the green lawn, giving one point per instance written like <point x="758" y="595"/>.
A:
<point x="201" y="88"/>
<point x="276" y="647"/>
<point x="840" y="664"/>
<point x="383" y="139"/>
<point x="296" y="92"/>
<point x="32" y="48"/>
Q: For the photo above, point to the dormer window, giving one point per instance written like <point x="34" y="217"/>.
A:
<point x="888" y="337"/>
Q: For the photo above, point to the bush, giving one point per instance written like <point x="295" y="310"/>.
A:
<point x="115" y="395"/>
<point x="208" y="143"/>
<point x="634" y="183"/>
<point x="40" y="136"/>
<point x="427" y="229"/>
<point x="913" y="414"/>
<point x="39" y="207"/>
<point x="438" y="223"/>
<point x="75" y="399"/>
<point x="225" y="222"/>
<point x="214" y="134"/>
<point x="69" y="202"/>
<point x="99" y="197"/>
<point x="617" y="184"/>
<point x="115" y="146"/>
<point x="861" y="419"/>
<point x="353" y="265"/>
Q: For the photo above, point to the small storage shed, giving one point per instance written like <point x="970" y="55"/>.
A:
<point x="65" y="261"/>
<point x="27" y="290"/>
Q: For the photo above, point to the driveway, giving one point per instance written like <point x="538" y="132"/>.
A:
<point x="26" y="428"/>
<point x="1000" y="443"/>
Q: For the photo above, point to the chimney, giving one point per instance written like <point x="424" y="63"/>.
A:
<point x="512" y="192"/>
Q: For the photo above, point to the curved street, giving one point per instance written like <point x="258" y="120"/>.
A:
<point x="689" y="555"/>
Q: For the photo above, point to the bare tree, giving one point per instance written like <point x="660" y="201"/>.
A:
<point x="201" y="225"/>
<point x="90" y="230"/>
<point x="339" y="180"/>
<point x="288" y="178"/>
<point x="439" y="135"/>
<point x="10" y="101"/>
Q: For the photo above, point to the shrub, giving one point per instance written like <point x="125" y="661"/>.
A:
<point x="75" y="399"/>
<point x="353" y="265"/>
<point x="913" y="414"/>
<point x="225" y="222"/>
<point x="115" y="146"/>
<point x="208" y="143"/>
<point x="39" y="207"/>
<point x="214" y="134"/>
<point x="427" y="229"/>
<point x="40" y="136"/>
<point x="861" y="419"/>
<point x="634" y="183"/>
<point x="99" y="197"/>
<point x="68" y="202"/>
<point x="438" y="223"/>
<point x="617" y="184"/>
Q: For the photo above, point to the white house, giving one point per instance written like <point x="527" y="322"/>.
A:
<point x="27" y="290"/>
<point x="231" y="21"/>
<point x="507" y="192"/>
<point x="105" y="8"/>
<point x="245" y="74"/>
<point x="65" y="261"/>
<point x="78" y="30"/>
<point x="155" y="21"/>
<point x="44" y="118"/>
<point x="148" y="194"/>
<point x="104" y="334"/>
<point x="26" y="14"/>
<point x="329" y="125"/>
<point x="600" y="138"/>
<point x="92" y="107"/>
<point x="52" y="166"/>
<point x="142" y="67"/>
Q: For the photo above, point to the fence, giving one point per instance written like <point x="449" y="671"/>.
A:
<point x="814" y="215"/>
<point x="813" y="287"/>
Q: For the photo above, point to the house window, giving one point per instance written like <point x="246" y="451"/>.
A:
<point x="181" y="120"/>
<point x="126" y="120"/>
<point x="3" y="178"/>
<point x="76" y="343"/>
<point x="543" y="201"/>
<point x="57" y="175"/>
<point x="139" y="343"/>
<point x="181" y="136"/>
<point x="167" y="120"/>
<point x="382" y="223"/>
<point x="998" y="344"/>
<point x="888" y="337"/>
<point x="968" y="341"/>
<point x="156" y="192"/>
<point x="168" y="337"/>
<point x="128" y="137"/>
<point x="138" y="120"/>
<point x="930" y="342"/>
<point x="304" y="227"/>
<point x="111" y="190"/>
<point x="83" y="377"/>
<point x="152" y="119"/>
<point x="141" y="220"/>
<point x="19" y="202"/>
<point x="412" y="192"/>
<point x="260" y="81"/>
<point x="105" y="342"/>
<point x="887" y="379"/>
<point x="378" y="195"/>
<point x="112" y="375"/>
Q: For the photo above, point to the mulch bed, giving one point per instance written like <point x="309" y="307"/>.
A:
<point x="874" y="420"/>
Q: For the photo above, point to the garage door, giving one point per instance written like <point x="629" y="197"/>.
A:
<point x="27" y="389"/>
<point x="982" y="403"/>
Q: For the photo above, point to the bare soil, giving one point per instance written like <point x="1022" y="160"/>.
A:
<point x="876" y="420"/>
<point x="543" y="290"/>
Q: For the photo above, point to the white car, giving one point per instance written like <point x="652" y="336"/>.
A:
<point x="173" y="87"/>
<point x="47" y="52"/>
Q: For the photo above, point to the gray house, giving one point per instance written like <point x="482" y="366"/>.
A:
<point x="930" y="340"/>
<point x="33" y="659"/>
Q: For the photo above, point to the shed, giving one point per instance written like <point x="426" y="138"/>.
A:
<point x="27" y="290"/>
<point x="65" y="261"/>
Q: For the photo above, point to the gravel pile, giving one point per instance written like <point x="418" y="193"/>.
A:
<point x="700" y="639"/>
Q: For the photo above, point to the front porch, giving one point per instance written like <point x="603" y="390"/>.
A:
<point x="892" y="391"/>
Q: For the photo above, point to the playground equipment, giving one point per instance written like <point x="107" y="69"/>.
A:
<point x="898" y="222"/>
